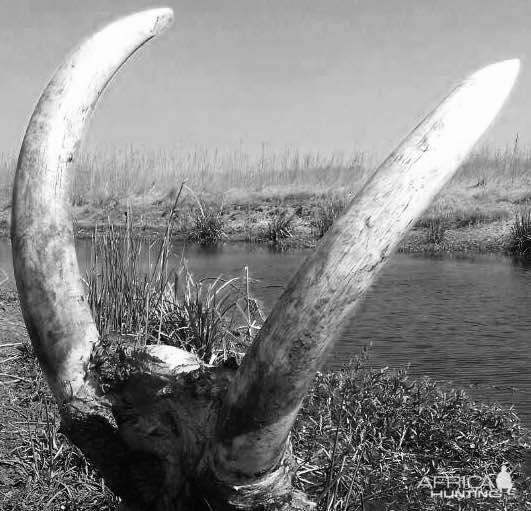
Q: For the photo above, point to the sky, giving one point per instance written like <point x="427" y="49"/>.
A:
<point x="327" y="76"/>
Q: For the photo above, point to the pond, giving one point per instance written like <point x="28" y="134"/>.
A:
<point x="460" y="319"/>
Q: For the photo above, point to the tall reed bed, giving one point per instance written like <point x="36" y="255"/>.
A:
<point x="487" y="165"/>
<point x="129" y="172"/>
<point x="488" y="187"/>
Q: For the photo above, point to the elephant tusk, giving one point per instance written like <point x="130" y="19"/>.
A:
<point x="263" y="399"/>
<point x="51" y="292"/>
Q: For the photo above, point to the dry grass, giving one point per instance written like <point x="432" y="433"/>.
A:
<point x="39" y="468"/>
<point x="235" y="194"/>
<point x="488" y="174"/>
<point x="102" y="178"/>
<point x="325" y="214"/>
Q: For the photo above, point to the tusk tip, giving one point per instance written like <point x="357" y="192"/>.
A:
<point x="502" y="74"/>
<point x="163" y="18"/>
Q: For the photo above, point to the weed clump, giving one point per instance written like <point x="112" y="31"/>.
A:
<point x="279" y="226"/>
<point x="212" y="318"/>
<point x="208" y="222"/>
<point x="435" y="230"/>
<point x="520" y="237"/>
<point x="208" y="225"/>
<point x="325" y="215"/>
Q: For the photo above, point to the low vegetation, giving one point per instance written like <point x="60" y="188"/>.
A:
<point x="435" y="229"/>
<point x="40" y="470"/>
<point x="365" y="439"/>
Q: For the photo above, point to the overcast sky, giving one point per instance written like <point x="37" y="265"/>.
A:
<point x="321" y="75"/>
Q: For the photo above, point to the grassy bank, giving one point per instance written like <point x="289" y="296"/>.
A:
<point x="364" y="439"/>
<point x="288" y="198"/>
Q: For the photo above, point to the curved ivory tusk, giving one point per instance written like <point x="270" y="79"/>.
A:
<point x="48" y="279"/>
<point x="264" y="398"/>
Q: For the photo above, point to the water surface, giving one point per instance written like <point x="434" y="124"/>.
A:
<point x="460" y="319"/>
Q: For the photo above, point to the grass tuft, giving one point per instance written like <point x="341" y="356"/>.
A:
<point x="435" y="230"/>
<point x="520" y="239"/>
<point x="208" y="225"/>
<point x="212" y="318"/>
<point x="279" y="226"/>
<point x="325" y="215"/>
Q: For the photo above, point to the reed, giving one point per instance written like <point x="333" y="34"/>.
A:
<point x="489" y="188"/>
<point x="116" y="174"/>
<point x="158" y="303"/>
<point x="118" y="291"/>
